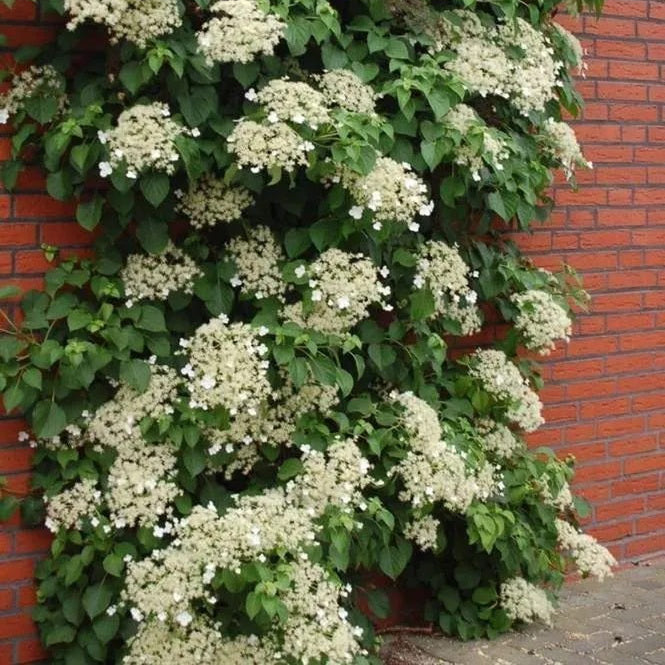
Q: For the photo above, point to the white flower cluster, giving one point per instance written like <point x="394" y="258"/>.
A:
<point x="239" y="31"/>
<point x="294" y="101"/>
<point x="317" y="629"/>
<point x="343" y="287"/>
<point x="267" y="146"/>
<point x="141" y="483"/>
<point x="274" y="424"/>
<point x="199" y="642"/>
<point x="67" y="509"/>
<point x="442" y="270"/>
<point x="498" y="439"/>
<point x="502" y="379"/>
<point x="258" y="259"/>
<point x="590" y="557"/>
<point x="423" y="531"/>
<point x="486" y="63"/>
<point x="473" y="153"/>
<point x="227" y="367"/>
<point x="158" y="275"/>
<point x="343" y="88"/>
<point x="32" y="82"/>
<point x="165" y="588"/>
<point x="143" y="139"/>
<point x="139" y="21"/>
<point x="433" y="470"/>
<point x="560" y="143"/>
<point x="118" y="419"/>
<point x="335" y="478"/>
<point x="522" y="601"/>
<point x="390" y="191"/>
<point x="562" y="501"/>
<point x="573" y="44"/>
<point x="210" y="201"/>
<point x="541" y="320"/>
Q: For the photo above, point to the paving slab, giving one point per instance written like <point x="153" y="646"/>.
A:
<point x="618" y="622"/>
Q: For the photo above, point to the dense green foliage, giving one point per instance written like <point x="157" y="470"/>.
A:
<point x="80" y="336"/>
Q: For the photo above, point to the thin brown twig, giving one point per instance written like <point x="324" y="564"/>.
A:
<point x="412" y="630"/>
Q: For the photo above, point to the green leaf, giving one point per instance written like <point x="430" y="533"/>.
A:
<point x="484" y="595"/>
<point x="197" y="105"/>
<point x="59" y="185"/>
<point x="344" y="381"/>
<point x="296" y="241"/>
<point x="136" y="373"/>
<point x="298" y="371"/>
<point x="96" y="599"/>
<point x="113" y="564"/>
<point x="194" y="460"/>
<point x="467" y="576"/>
<point x="246" y="73"/>
<point x="253" y="605"/>
<point x="48" y="419"/>
<point x="393" y="559"/>
<point x="379" y="603"/>
<point x="151" y="319"/>
<point x="495" y="203"/>
<point x="450" y="597"/>
<point x="41" y="109"/>
<point x="106" y="627"/>
<point x="422" y="304"/>
<point x="8" y="506"/>
<point x="78" y="318"/>
<point x="10" y="347"/>
<point x="89" y="214"/>
<point x="153" y="235"/>
<point x="396" y="48"/>
<point x="155" y="187"/>
<point x="61" y="634"/>
<point x="33" y="377"/>
<point x="290" y="468"/>
<point x="133" y="75"/>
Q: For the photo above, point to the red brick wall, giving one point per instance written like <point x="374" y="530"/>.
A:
<point x="28" y="218"/>
<point x="605" y="392"/>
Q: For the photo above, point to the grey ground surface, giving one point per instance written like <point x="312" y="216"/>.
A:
<point x="618" y="622"/>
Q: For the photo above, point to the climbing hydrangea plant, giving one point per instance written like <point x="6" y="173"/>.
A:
<point x="263" y="389"/>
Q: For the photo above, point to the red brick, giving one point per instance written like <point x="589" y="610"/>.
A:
<point x="621" y="508"/>
<point x="593" y="472"/>
<point x="620" y="426"/>
<point x="29" y="35"/>
<point x="630" y="112"/>
<point x="609" y="532"/>
<point x="6" y="599"/>
<point x="64" y="233"/>
<point x="15" y="571"/>
<point x="34" y="540"/>
<point x="16" y="625"/>
<point x="21" y="10"/>
<point x="622" y="49"/>
<point x="644" y="464"/>
<point x="30" y="651"/>
<point x="644" y="71"/>
<point x="597" y="408"/>
<point x="648" y="545"/>
<point x="650" y="524"/>
<point x="12" y="235"/>
<point x="639" y="485"/>
<point x="41" y="206"/>
<point x="609" y="26"/>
